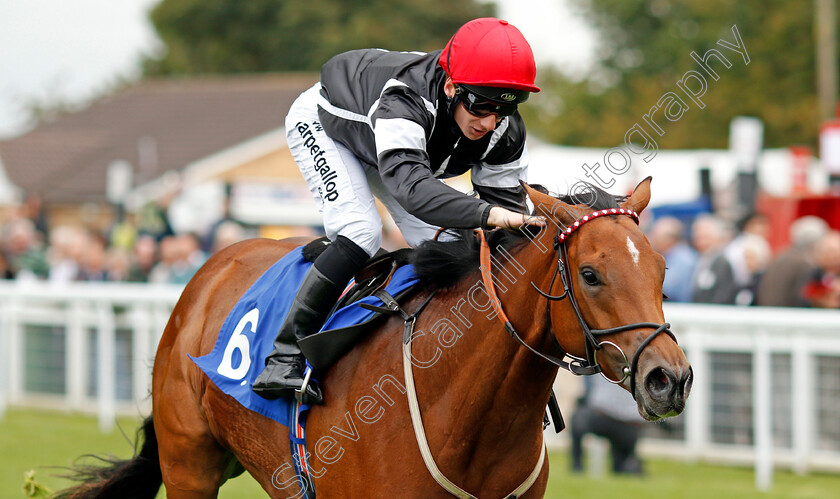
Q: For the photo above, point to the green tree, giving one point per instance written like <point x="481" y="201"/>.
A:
<point x="645" y="48"/>
<point x="231" y="36"/>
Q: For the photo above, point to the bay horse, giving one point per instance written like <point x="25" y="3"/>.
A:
<point x="481" y="393"/>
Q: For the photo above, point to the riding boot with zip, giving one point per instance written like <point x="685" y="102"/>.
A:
<point x="285" y="366"/>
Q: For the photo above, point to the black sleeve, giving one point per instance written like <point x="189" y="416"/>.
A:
<point x="402" y="124"/>
<point x="512" y="198"/>
<point x="407" y="176"/>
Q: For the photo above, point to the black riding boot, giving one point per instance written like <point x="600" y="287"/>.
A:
<point x="321" y="287"/>
<point x="284" y="367"/>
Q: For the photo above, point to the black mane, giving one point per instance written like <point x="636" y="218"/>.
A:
<point x="441" y="264"/>
<point x="592" y="196"/>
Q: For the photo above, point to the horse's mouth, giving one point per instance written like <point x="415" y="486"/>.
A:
<point x="649" y="415"/>
<point x="666" y="410"/>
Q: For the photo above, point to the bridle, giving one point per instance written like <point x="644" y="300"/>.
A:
<point x="577" y="366"/>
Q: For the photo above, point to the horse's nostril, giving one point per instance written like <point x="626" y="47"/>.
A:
<point x="660" y="382"/>
<point x="685" y="384"/>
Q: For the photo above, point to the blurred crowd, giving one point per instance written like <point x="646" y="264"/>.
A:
<point x="142" y="247"/>
<point x="708" y="260"/>
<point x="712" y="261"/>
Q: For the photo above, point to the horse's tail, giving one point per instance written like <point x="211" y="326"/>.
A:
<point x="135" y="478"/>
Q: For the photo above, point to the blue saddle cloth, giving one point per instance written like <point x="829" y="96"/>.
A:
<point x="246" y="337"/>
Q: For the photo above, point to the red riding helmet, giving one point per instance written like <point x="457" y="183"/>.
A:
<point x="493" y="59"/>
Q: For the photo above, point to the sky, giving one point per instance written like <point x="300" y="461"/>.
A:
<point x="70" y="51"/>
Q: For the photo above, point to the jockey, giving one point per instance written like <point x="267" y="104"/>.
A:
<point x="391" y="125"/>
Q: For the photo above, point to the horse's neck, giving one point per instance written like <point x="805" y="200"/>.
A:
<point x="495" y="389"/>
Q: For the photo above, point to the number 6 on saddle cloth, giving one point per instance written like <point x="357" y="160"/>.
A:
<point x="247" y="334"/>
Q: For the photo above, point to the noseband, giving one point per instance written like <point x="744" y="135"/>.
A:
<point x="576" y="365"/>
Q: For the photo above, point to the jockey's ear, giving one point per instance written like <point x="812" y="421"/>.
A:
<point x="640" y="198"/>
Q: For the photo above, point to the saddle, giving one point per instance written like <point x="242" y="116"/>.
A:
<point x="324" y="348"/>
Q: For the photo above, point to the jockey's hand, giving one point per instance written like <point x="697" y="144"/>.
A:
<point x="501" y="217"/>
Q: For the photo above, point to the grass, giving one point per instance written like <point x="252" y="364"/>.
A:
<point x="33" y="439"/>
<point x="46" y="440"/>
<point x="677" y="479"/>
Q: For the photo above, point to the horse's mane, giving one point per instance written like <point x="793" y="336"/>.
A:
<point x="441" y="264"/>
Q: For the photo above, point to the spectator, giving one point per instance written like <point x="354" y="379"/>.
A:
<point x="153" y="217"/>
<point x="169" y="256"/>
<point x="181" y="257"/>
<point x="788" y="273"/>
<point x="33" y="209"/>
<point x="823" y="290"/>
<point x="747" y="256"/>
<point x="118" y="261"/>
<point x="225" y="234"/>
<point x="712" y="281"/>
<point x="23" y="250"/>
<point x="607" y="411"/>
<point x="144" y="258"/>
<point x="754" y="223"/>
<point x="124" y="233"/>
<point x="666" y="237"/>
<point x="94" y="263"/>
<point x="67" y="245"/>
<point x="733" y="272"/>
<point x="191" y="254"/>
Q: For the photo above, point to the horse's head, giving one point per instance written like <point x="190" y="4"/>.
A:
<point x="615" y="280"/>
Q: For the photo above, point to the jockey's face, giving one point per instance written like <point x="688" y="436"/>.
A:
<point x="473" y="127"/>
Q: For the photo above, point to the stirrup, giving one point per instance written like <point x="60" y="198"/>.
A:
<point x="300" y="392"/>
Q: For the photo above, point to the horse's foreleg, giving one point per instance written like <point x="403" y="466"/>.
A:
<point x="191" y="461"/>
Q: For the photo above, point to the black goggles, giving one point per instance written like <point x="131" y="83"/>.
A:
<point x="480" y="107"/>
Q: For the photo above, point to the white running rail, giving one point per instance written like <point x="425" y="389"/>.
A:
<point x="798" y="399"/>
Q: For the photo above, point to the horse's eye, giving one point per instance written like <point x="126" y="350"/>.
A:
<point x="590" y="277"/>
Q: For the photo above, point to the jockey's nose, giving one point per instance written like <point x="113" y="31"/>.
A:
<point x="488" y="122"/>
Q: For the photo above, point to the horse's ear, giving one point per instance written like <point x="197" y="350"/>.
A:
<point x="538" y="197"/>
<point x="640" y="198"/>
<point x="549" y="206"/>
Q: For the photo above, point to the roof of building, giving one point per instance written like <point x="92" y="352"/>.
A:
<point x="156" y="125"/>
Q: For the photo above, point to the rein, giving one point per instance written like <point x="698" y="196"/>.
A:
<point x="576" y="365"/>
